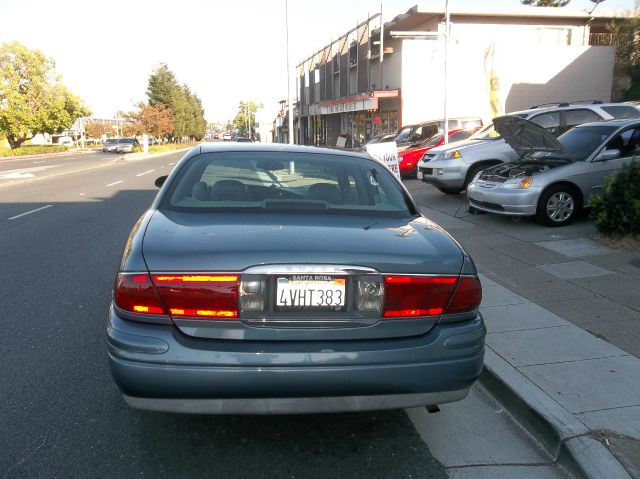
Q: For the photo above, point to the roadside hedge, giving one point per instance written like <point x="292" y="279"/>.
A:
<point x="617" y="210"/>
<point x="33" y="150"/>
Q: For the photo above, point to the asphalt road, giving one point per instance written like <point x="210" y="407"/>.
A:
<point x="61" y="237"/>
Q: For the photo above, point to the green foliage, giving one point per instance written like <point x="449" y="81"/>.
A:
<point x="617" y="210"/>
<point x="554" y="3"/>
<point x="32" y="98"/>
<point x="245" y="120"/>
<point x="186" y="107"/>
<point x="32" y="150"/>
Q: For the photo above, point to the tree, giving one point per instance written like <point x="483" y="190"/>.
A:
<point x="185" y="106"/>
<point x="555" y="3"/>
<point x="155" y="120"/>
<point x="245" y="120"/>
<point x="95" y="129"/>
<point x="32" y="98"/>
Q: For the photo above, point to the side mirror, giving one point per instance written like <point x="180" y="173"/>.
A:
<point x="160" y="180"/>
<point x="607" y="155"/>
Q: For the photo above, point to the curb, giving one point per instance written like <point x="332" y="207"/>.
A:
<point x="567" y="440"/>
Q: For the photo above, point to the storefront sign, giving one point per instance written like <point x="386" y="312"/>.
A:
<point x="357" y="105"/>
<point x="386" y="153"/>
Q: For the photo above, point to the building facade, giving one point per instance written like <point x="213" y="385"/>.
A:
<point x="378" y="77"/>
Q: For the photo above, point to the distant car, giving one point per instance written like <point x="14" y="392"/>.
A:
<point x="66" y="141"/>
<point x="227" y="136"/>
<point x="270" y="279"/>
<point x="408" y="159"/>
<point x="110" y="145"/>
<point x="451" y="168"/>
<point x="553" y="178"/>
<point x="126" y="145"/>
<point x="414" y="135"/>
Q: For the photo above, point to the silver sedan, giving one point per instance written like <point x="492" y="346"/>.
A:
<point x="553" y="178"/>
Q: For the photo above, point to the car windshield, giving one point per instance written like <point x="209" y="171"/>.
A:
<point x="126" y="140"/>
<point x="487" y="133"/>
<point x="404" y="133"/>
<point x="622" y="111"/>
<point x="289" y="182"/>
<point x="582" y="141"/>
<point x="434" y="140"/>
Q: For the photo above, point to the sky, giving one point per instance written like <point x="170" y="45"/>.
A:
<point x="225" y="52"/>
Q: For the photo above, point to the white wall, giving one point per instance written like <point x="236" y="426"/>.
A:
<point x="528" y="75"/>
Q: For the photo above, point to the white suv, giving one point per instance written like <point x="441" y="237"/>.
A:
<point x="451" y="167"/>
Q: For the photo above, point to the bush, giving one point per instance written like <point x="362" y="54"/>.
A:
<point x="33" y="150"/>
<point x="617" y="210"/>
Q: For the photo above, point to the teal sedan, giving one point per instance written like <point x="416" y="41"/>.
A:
<point x="283" y="279"/>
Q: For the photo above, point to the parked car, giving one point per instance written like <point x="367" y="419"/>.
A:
<point x="408" y="159"/>
<point x="279" y="279"/>
<point x="126" y="145"/>
<point x="381" y="138"/>
<point x="110" y="145"/>
<point x="553" y="178"/>
<point x="451" y="168"/>
<point x="66" y="141"/>
<point x="414" y="135"/>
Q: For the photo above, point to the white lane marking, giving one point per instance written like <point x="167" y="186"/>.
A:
<point x="23" y="172"/>
<point x="114" y="183"/>
<point x="29" y="212"/>
<point x="150" y="171"/>
<point x="171" y="164"/>
<point x="37" y="162"/>
<point x="82" y="194"/>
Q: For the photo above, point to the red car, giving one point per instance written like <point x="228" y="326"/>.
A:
<point x="408" y="159"/>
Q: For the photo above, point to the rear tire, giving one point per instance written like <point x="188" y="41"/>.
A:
<point x="558" y="205"/>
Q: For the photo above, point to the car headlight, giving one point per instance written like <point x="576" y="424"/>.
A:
<point x="450" y="155"/>
<point x="518" y="183"/>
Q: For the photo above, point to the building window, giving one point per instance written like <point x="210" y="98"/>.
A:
<point x="316" y="75"/>
<point x="336" y="64"/>
<point x="553" y="36"/>
<point x="353" y="54"/>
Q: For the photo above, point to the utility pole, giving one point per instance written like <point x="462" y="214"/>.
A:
<point x="447" y="20"/>
<point x="289" y="98"/>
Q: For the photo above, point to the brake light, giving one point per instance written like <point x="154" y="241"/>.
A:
<point x="199" y="295"/>
<point x="134" y="292"/>
<point x="408" y="296"/>
<point x="467" y="297"/>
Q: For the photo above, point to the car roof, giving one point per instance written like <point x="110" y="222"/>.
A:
<point x="566" y="106"/>
<point x="620" y="123"/>
<point x="272" y="147"/>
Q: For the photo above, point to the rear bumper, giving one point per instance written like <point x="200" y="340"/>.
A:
<point x="157" y="368"/>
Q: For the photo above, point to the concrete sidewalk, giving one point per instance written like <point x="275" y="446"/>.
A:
<point x="563" y="320"/>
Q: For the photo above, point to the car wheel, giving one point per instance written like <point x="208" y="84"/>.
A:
<point x="451" y="191"/>
<point x="558" y="206"/>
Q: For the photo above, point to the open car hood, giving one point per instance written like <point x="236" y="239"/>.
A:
<point x="524" y="136"/>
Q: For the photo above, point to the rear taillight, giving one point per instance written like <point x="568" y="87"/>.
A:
<point x="199" y="295"/>
<point x="408" y="296"/>
<point x="467" y="296"/>
<point x="134" y="293"/>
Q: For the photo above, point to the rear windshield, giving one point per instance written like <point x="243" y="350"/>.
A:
<point x="110" y="140"/>
<point x="287" y="182"/>
<point x="126" y="140"/>
<point x="622" y="111"/>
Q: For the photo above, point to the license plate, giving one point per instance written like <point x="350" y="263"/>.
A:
<point x="420" y="174"/>
<point x="310" y="291"/>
